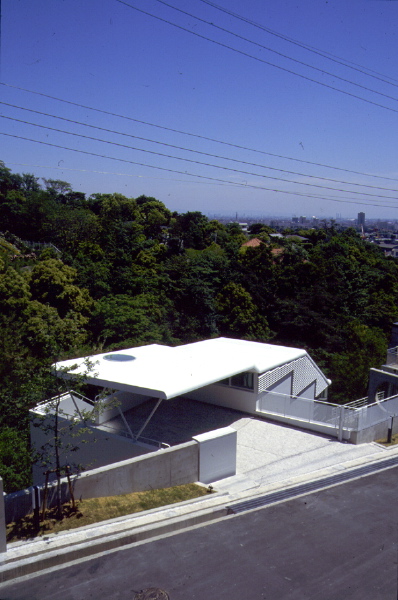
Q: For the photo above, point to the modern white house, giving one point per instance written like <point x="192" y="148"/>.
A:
<point x="237" y="374"/>
<point x="255" y="378"/>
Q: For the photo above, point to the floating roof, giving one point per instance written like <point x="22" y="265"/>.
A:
<point x="166" y="372"/>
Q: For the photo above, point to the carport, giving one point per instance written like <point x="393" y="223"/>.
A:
<point x="219" y="371"/>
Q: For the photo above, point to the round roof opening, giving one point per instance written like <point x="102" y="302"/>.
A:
<point x="119" y="357"/>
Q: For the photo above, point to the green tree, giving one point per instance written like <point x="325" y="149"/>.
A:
<point x="365" y="348"/>
<point x="238" y="315"/>
<point x="122" y="320"/>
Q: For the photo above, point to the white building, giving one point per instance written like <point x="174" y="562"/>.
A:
<point x="255" y="378"/>
<point x="235" y="373"/>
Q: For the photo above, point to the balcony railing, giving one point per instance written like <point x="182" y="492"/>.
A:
<point x="392" y="357"/>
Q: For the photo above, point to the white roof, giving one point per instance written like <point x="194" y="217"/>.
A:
<point x="166" y="372"/>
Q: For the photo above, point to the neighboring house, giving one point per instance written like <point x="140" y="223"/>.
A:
<point x="389" y="249"/>
<point x="253" y="243"/>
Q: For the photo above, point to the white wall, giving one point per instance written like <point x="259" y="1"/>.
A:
<point x="224" y="395"/>
<point x="276" y="398"/>
<point x="308" y="392"/>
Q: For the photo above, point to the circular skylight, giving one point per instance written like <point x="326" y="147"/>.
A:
<point x="119" y="357"/>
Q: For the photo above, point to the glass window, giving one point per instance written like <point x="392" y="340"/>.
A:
<point x="243" y="380"/>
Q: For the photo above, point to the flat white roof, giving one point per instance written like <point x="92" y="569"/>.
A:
<point x="166" y="372"/>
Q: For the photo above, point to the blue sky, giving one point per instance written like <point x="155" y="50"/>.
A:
<point x="161" y="79"/>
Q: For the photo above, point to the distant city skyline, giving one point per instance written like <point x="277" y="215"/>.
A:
<point x="289" y="108"/>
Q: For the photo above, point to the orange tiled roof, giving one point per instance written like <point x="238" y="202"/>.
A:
<point x="254" y="243"/>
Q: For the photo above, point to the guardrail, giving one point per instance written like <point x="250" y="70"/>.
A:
<point x="135" y="439"/>
<point x="354" y="416"/>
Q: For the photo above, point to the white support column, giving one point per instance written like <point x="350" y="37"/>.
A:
<point x="341" y="424"/>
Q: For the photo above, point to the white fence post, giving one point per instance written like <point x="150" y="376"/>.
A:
<point x="3" y="539"/>
<point x="341" y="423"/>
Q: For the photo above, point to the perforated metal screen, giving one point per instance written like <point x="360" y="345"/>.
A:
<point x="304" y="372"/>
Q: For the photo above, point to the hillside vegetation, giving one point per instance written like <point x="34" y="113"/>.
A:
<point x="80" y="275"/>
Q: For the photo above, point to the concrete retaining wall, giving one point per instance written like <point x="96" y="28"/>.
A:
<point x="375" y="432"/>
<point x="164" y="468"/>
<point x="19" y="504"/>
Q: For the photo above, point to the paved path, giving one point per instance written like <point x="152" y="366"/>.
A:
<point x="270" y="452"/>
<point x="267" y="451"/>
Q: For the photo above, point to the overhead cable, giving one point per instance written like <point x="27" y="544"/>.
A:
<point x="364" y="87"/>
<point x="198" y="136"/>
<point x="235" y="160"/>
<point x="205" y="177"/>
<point x="196" y="162"/>
<point x="332" y="57"/>
<point x="261" y="60"/>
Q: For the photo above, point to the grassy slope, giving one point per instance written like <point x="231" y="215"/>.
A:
<point x="94" y="510"/>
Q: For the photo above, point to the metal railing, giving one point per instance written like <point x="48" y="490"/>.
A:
<point x="392" y="356"/>
<point x="135" y="439"/>
<point x="355" y="416"/>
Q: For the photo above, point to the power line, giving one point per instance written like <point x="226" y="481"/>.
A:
<point x="226" y="184"/>
<point x="186" y="149"/>
<point x="332" y="57"/>
<point x="196" y="162"/>
<point x="278" y="53"/>
<point x="261" y="60"/>
<point x="205" y="177"/>
<point x="113" y="173"/>
<point x="198" y="136"/>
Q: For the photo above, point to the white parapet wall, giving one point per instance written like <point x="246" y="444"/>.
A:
<point x="217" y="454"/>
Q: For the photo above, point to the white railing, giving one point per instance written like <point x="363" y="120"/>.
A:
<point x="392" y="356"/>
<point x="354" y="416"/>
<point x="298" y="407"/>
<point x="135" y="439"/>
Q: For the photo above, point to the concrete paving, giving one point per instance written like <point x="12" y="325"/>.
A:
<point x="270" y="452"/>
<point x="267" y="451"/>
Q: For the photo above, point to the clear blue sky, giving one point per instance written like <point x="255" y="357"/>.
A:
<point x="105" y="55"/>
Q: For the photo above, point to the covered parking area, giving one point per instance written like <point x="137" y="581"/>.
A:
<point x="229" y="373"/>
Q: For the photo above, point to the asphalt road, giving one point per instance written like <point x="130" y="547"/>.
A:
<point x="338" y="544"/>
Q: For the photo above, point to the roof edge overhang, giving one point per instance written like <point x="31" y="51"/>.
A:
<point x="121" y="387"/>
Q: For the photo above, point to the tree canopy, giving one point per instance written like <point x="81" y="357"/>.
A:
<point x="79" y="275"/>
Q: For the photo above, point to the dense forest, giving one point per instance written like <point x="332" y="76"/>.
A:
<point x="81" y="275"/>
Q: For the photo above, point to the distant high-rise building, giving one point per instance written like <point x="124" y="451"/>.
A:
<point x="361" y="219"/>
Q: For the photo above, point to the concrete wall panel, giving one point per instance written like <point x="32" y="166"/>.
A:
<point x="164" y="468"/>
